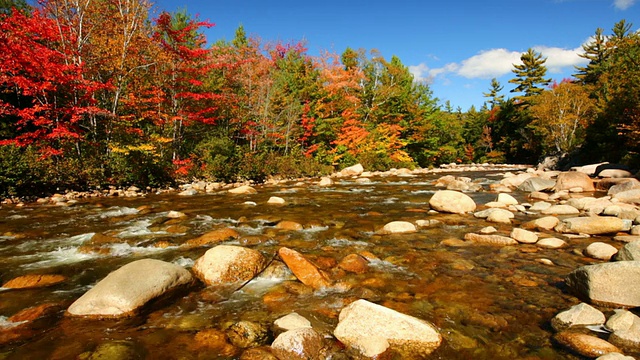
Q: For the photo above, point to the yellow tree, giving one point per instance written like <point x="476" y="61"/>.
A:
<point x="561" y="115"/>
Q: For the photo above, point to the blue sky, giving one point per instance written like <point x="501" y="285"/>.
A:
<point x="456" y="46"/>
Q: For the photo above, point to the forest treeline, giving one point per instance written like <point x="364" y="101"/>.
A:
<point x="100" y="92"/>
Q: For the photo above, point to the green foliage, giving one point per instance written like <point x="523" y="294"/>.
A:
<point x="530" y="76"/>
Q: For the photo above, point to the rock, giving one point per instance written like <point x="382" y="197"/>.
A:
<point x="600" y="250"/>
<point x="427" y="223"/>
<point x="627" y="184"/>
<point x="578" y="315"/>
<point x="302" y="343"/>
<point x="354" y="170"/>
<point x="524" y="236"/>
<point x="484" y="214"/>
<point x="540" y="206"/>
<point x="452" y="202"/>
<point x="627" y="339"/>
<point x="354" y="263"/>
<point x="515" y="180"/>
<point x="124" y="291"/>
<point x="245" y="334"/>
<point x="574" y="179"/>
<point x="585" y="345"/>
<point x="621" y="320"/>
<point x="175" y="214"/>
<point x="289" y="225"/>
<point x="613" y="283"/>
<point x="213" y="237"/>
<point x="589" y="169"/>
<point x="29" y="322"/>
<point x="325" y="181"/>
<point x="613" y="171"/>
<point x="629" y="252"/>
<point x="229" y="265"/>
<point x="119" y="349"/>
<point x="274" y="200"/>
<point x="371" y="329"/>
<point x="534" y="184"/>
<point x="560" y="210"/>
<point x="398" y="227"/>
<point x="244" y="189"/>
<point x="292" y="321"/>
<point x="497" y="240"/>
<point x="303" y="269"/>
<point x="33" y="281"/>
<point x="551" y="243"/>
<point x="488" y="230"/>
<point x="502" y="217"/>
<point x="213" y="340"/>
<point x="258" y="353"/>
<point x="614" y="356"/>
<point x="543" y="223"/>
<point x="188" y="192"/>
<point x="495" y="204"/>
<point x="591" y="225"/>
<point x="628" y="196"/>
<point x="363" y="180"/>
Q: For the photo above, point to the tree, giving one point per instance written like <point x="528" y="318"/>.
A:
<point x="595" y="52"/>
<point x="495" y="99"/>
<point x="530" y="76"/>
<point x="52" y="97"/>
<point x="7" y="6"/>
<point x="561" y="115"/>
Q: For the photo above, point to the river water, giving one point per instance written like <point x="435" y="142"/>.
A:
<point x="488" y="302"/>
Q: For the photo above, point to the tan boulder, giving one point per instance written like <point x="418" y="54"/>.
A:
<point x="574" y="179"/>
<point x="585" y="345"/>
<point x="452" y="202"/>
<point x="244" y="189"/>
<point x="303" y="269"/>
<point x="591" y="225"/>
<point x="229" y="265"/>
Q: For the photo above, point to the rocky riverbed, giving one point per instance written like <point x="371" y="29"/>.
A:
<point x="483" y="262"/>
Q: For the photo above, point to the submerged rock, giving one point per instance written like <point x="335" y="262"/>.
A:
<point x="303" y="269"/>
<point x="452" y="202"/>
<point x="497" y="240"/>
<point x="33" y="281"/>
<point x="614" y="283"/>
<point x="213" y="237"/>
<point x="372" y="329"/>
<point x="125" y="290"/>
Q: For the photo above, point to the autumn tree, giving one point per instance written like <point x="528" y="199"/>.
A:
<point x="530" y="76"/>
<point x="561" y="115"/>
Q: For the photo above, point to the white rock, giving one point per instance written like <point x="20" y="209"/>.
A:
<point x="560" y="210"/>
<point x="524" y="236"/>
<point x="325" y="181"/>
<point x="600" y="250"/>
<point x="292" y="321"/>
<point x="578" y="315"/>
<point x="452" y="202"/>
<point x="276" y="200"/>
<point x="244" y="189"/>
<point x="366" y="326"/>
<point x="506" y="199"/>
<point x="399" y="227"/>
<point x="551" y="243"/>
<point x="229" y="265"/>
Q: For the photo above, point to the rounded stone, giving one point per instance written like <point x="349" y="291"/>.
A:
<point x="450" y="201"/>
<point x="600" y="250"/>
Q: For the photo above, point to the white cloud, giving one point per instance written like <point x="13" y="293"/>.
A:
<point x="489" y="64"/>
<point x="498" y="62"/>
<point x="623" y="4"/>
<point x="559" y="59"/>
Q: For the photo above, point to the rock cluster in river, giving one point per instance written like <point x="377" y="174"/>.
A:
<point x="568" y="206"/>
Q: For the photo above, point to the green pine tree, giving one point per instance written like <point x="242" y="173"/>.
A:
<point x="530" y="76"/>
<point x="495" y="99"/>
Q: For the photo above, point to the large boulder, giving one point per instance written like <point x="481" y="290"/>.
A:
<point x="608" y="284"/>
<point x="229" y="265"/>
<point x="574" y="179"/>
<point x="591" y="225"/>
<point x="354" y="170"/>
<point x="124" y="291"/>
<point x="629" y="252"/>
<point x="372" y="329"/>
<point x="628" y="196"/>
<point x="452" y="202"/>
<point x="589" y="169"/>
<point x="302" y="343"/>
<point x="623" y="185"/>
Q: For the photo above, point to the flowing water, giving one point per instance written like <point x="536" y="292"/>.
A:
<point x="488" y="302"/>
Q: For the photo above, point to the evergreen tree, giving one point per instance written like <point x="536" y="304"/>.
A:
<point x="6" y="6"/>
<point x="530" y="76"/>
<point x="240" y="40"/>
<point x="595" y="52"/>
<point x="495" y="99"/>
